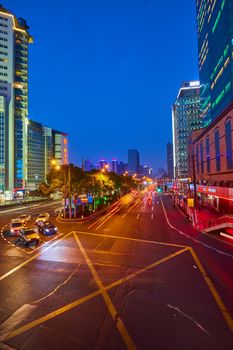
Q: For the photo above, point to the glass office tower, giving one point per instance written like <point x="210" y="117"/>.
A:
<point x="215" y="48"/>
<point x="185" y="119"/>
<point x="14" y="40"/>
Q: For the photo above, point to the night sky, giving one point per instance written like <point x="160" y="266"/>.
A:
<point x="107" y="71"/>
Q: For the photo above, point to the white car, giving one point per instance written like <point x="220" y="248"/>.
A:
<point x="16" y="225"/>
<point x="25" y="217"/>
<point x="42" y="217"/>
<point x="29" y="236"/>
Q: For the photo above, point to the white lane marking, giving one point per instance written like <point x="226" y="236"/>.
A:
<point x="45" y="243"/>
<point x="226" y="235"/>
<point x="189" y="317"/>
<point x="123" y="216"/>
<point x="137" y="216"/>
<point x="152" y="216"/>
<point x="193" y="239"/>
<point x="17" y="317"/>
<point x="106" y="219"/>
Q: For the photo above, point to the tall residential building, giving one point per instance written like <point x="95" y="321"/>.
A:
<point x="170" y="168"/>
<point x="215" y="42"/>
<point x="185" y="119"/>
<point x="60" y="144"/>
<point x="14" y="40"/>
<point x="133" y="161"/>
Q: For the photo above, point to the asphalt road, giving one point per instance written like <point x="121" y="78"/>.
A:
<point x="139" y="277"/>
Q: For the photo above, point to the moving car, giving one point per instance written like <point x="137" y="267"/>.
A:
<point x="29" y="236"/>
<point x="25" y="217"/>
<point x="16" y="225"/>
<point x="47" y="228"/>
<point x="42" y="217"/>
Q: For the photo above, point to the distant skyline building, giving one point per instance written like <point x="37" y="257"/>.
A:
<point x="185" y="119"/>
<point x="114" y="165"/>
<point x="15" y="38"/>
<point x="43" y="145"/>
<point x="87" y="165"/>
<point x="122" y="167"/>
<point x="133" y="161"/>
<point x="215" y="40"/>
<point x="170" y="167"/>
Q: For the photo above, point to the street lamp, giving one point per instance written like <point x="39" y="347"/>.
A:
<point x="58" y="167"/>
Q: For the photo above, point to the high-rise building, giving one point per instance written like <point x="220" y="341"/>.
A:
<point x="185" y="119"/>
<point x="36" y="155"/>
<point x="48" y="150"/>
<point x="114" y="165"/>
<point x="122" y="167"/>
<point x="2" y="142"/>
<point x="170" y="168"/>
<point x="60" y="147"/>
<point x="102" y="163"/>
<point x="87" y="165"/>
<point x="15" y="38"/>
<point x="133" y="161"/>
<point x="215" y="35"/>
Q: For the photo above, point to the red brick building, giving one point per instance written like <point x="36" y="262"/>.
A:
<point x="211" y="153"/>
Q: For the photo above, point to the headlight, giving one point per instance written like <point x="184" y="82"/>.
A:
<point x="47" y="230"/>
<point x="55" y="228"/>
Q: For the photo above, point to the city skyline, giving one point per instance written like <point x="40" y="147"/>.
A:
<point x="119" y="67"/>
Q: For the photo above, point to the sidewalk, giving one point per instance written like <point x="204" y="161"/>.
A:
<point x="206" y="216"/>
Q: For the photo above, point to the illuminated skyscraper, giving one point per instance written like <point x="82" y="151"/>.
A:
<point x="185" y="119"/>
<point x="215" y="44"/>
<point x="14" y="40"/>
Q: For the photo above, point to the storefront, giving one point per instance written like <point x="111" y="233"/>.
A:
<point x="220" y="198"/>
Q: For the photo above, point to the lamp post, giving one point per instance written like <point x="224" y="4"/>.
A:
<point x="58" y="167"/>
<point x="194" y="187"/>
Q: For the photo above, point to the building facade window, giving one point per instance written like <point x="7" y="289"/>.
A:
<point x="208" y="154"/>
<point x="217" y="150"/>
<point x="228" y="135"/>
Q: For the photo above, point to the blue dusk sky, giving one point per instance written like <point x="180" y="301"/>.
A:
<point x="107" y="71"/>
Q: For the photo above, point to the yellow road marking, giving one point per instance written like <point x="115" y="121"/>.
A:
<point x="213" y="291"/>
<point x="131" y="239"/>
<point x="30" y="259"/>
<point x="86" y="298"/>
<point x="47" y="317"/>
<point x="119" y="323"/>
<point x="132" y="275"/>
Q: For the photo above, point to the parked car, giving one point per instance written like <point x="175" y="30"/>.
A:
<point x="16" y="225"/>
<point x="42" y="217"/>
<point x="25" y="217"/>
<point x="29" y="236"/>
<point x="47" y="228"/>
